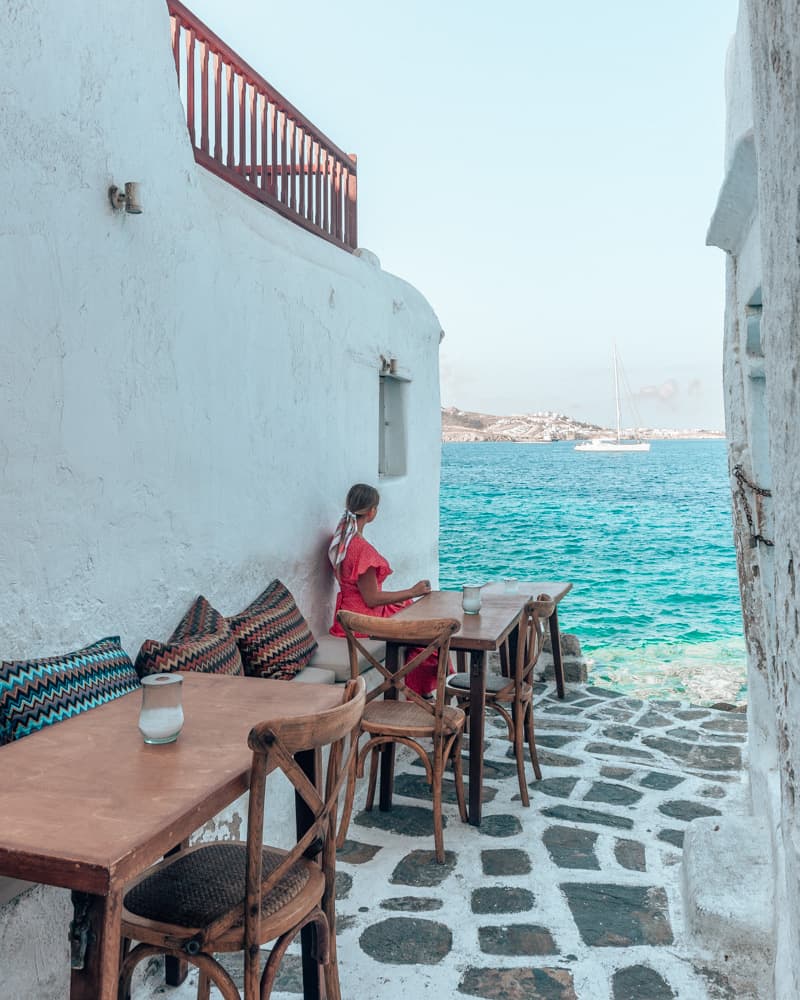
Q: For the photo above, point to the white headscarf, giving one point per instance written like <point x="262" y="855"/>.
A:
<point x="346" y="530"/>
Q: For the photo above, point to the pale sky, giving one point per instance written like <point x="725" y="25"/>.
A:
<point x="544" y="173"/>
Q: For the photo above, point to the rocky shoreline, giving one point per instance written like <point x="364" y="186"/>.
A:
<point x="545" y="427"/>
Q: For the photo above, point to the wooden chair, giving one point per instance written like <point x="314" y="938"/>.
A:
<point x="236" y="896"/>
<point x="511" y="694"/>
<point x="389" y="719"/>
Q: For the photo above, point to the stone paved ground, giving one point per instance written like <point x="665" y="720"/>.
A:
<point x="576" y="897"/>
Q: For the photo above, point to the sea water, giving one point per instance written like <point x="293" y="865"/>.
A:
<point x="645" y="539"/>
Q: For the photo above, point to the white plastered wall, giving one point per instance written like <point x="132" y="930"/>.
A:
<point x="757" y="222"/>
<point x="185" y="395"/>
<point x="775" y="59"/>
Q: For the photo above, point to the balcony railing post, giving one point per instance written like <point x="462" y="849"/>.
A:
<point x="190" y="109"/>
<point x="253" y="112"/>
<point x="284" y="171"/>
<point x="326" y="193"/>
<point x="242" y="126"/>
<point x="301" y="205"/>
<point x="176" y="46"/>
<point x="217" y="107"/>
<point x="292" y="163"/>
<point x="337" y="187"/>
<point x="273" y="129"/>
<point x="204" y="124"/>
<point x="229" y="109"/>
<point x="316" y="159"/>
<point x="352" y="204"/>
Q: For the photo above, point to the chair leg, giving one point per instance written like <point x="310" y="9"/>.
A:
<point x="330" y="964"/>
<point x="458" y="778"/>
<point x="321" y="949"/>
<point x="330" y="973"/>
<point x="436" y="795"/>
<point x="128" y="965"/>
<point x="203" y="987"/>
<point x="532" y="742"/>
<point x="519" y="751"/>
<point x="373" y="778"/>
<point x="210" y="970"/>
<point x="347" y="808"/>
<point x="507" y="716"/>
<point x="124" y="951"/>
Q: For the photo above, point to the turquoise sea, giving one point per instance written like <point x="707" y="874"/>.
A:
<point x="645" y="539"/>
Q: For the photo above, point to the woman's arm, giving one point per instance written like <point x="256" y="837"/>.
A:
<point x="374" y="597"/>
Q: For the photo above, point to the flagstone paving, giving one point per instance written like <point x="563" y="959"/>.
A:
<point x="577" y="896"/>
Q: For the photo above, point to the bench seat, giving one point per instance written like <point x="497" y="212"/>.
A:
<point x="331" y="655"/>
<point x="315" y="675"/>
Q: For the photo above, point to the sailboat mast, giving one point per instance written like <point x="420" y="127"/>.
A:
<point x="616" y="392"/>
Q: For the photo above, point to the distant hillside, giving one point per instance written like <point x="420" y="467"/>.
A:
<point x="463" y="425"/>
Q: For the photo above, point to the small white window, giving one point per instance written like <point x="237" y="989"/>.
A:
<point x="392" y="432"/>
<point x="752" y="318"/>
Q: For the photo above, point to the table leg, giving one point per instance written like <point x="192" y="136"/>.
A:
<point x="387" y="750"/>
<point x="477" y="711"/>
<point x="310" y="761"/>
<point x="555" y="643"/>
<point x="175" y="970"/>
<point x="95" y="935"/>
<point x="508" y="654"/>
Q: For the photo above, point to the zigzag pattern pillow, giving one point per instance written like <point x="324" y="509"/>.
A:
<point x="274" y="638"/>
<point x="201" y="642"/>
<point x="201" y="619"/>
<point x="38" y="693"/>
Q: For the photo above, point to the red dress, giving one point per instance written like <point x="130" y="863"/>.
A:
<point x="360" y="557"/>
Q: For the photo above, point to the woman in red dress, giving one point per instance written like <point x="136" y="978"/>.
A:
<point x="361" y="570"/>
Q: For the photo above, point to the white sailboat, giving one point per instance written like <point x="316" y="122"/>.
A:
<point x="618" y="444"/>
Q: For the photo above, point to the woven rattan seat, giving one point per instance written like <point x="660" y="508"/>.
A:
<point x="402" y="716"/>
<point x="511" y="696"/>
<point x="224" y="896"/>
<point x="408" y="718"/>
<point x="201" y="885"/>
<point x="495" y="683"/>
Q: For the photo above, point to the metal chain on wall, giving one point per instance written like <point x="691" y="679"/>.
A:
<point x="742" y="480"/>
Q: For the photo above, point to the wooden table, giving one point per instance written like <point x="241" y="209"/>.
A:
<point x="533" y="588"/>
<point x="479" y="635"/>
<point x="86" y="805"/>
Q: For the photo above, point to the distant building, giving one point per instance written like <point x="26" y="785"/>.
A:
<point x="757" y="222"/>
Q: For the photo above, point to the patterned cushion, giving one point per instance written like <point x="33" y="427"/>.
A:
<point x="201" y="641"/>
<point x="201" y="619"/>
<point x="274" y="638"/>
<point x="37" y="693"/>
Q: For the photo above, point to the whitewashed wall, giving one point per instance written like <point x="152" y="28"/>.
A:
<point x="775" y="52"/>
<point x="757" y="221"/>
<point x="185" y="395"/>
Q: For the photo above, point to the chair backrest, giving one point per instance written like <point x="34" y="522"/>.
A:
<point x="423" y="638"/>
<point x="530" y="639"/>
<point x="274" y="745"/>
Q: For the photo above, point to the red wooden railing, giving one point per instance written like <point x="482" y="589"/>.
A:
<point x="244" y="131"/>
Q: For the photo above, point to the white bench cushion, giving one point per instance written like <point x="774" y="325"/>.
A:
<point x="315" y="675"/>
<point x="332" y="655"/>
